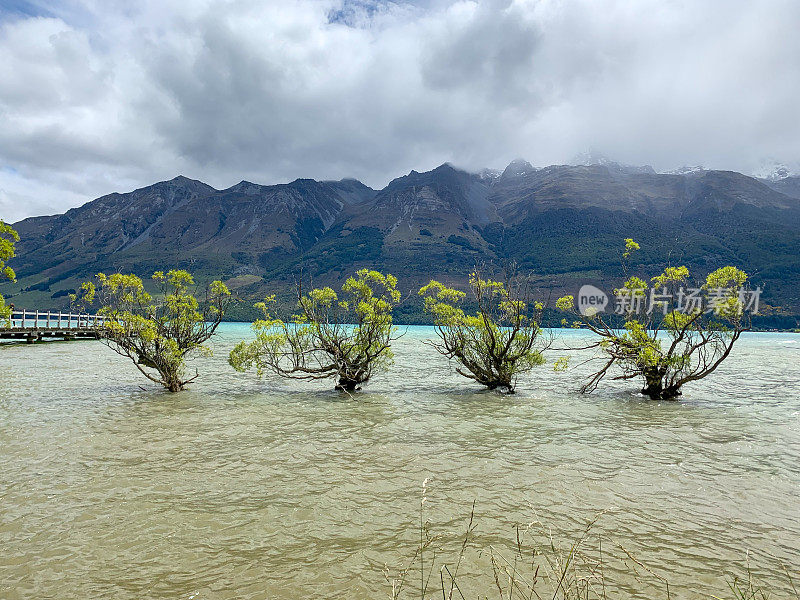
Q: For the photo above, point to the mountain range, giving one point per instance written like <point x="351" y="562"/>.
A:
<point x="565" y="224"/>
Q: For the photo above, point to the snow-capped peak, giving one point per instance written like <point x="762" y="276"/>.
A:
<point x="773" y="171"/>
<point x="592" y="158"/>
<point x="685" y="170"/>
<point x="489" y="174"/>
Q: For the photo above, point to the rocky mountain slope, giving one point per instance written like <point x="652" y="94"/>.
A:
<point x="789" y="186"/>
<point x="564" y="223"/>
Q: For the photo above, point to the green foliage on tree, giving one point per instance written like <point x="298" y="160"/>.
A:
<point x="156" y="332"/>
<point x="343" y="336"/>
<point x="674" y="341"/>
<point x="497" y="343"/>
<point x="8" y="237"/>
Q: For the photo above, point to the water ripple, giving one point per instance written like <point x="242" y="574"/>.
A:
<point x="241" y="488"/>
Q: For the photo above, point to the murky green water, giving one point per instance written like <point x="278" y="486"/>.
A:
<point x="243" y="488"/>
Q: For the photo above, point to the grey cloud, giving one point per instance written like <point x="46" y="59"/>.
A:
<point x="105" y="96"/>
<point x="491" y="51"/>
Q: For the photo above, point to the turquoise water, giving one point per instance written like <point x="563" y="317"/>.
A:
<point x="248" y="488"/>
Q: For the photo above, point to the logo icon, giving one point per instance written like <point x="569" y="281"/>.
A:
<point x="591" y="300"/>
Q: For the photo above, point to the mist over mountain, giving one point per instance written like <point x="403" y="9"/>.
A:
<point x="562" y="223"/>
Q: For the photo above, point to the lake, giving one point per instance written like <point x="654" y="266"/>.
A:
<point x="248" y="488"/>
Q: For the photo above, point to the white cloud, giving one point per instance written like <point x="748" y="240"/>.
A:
<point x="104" y="96"/>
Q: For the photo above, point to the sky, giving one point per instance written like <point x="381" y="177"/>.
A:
<point x="98" y="96"/>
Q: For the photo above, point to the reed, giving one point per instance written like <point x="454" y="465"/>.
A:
<point x="535" y="565"/>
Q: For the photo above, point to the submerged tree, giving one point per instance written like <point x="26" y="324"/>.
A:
<point x="674" y="340"/>
<point x="156" y="333"/>
<point x="496" y="344"/>
<point x="346" y="337"/>
<point x="8" y="237"/>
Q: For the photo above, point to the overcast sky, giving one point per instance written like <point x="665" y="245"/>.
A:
<point x="109" y="95"/>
